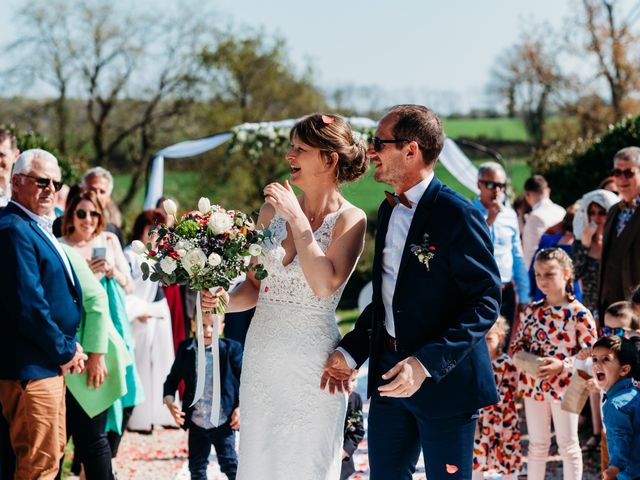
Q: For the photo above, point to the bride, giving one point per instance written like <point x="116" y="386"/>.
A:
<point x="291" y="429"/>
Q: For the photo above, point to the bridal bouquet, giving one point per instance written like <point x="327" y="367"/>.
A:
<point x="206" y="248"/>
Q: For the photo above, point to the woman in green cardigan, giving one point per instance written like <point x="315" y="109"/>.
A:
<point x="90" y="395"/>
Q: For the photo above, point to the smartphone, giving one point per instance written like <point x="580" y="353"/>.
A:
<point x="99" y="253"/>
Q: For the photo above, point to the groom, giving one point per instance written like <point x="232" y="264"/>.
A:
<point x="436" y="292"/>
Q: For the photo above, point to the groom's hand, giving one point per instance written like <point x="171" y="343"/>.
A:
<point x="409" y="375"/>
<point x="336" y="374"/>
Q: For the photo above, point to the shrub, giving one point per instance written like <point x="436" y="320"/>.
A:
<point x="577" y="167"/>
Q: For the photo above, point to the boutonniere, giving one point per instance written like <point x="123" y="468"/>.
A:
<point x="353" y="420"/>
<point x="424" y="251"/>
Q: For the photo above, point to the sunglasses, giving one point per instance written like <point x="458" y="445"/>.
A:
<point x="82" y="214"/>
<point x="608" y="331"/>
<point x="597" y="213"/>
<point x="493" y="185"/>
<point x="378" y="144"/>
<point x="44" y="182"/>
<point x="628" y="173"/>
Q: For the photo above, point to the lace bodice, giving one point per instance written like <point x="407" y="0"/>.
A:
<point x="287" y="284"/>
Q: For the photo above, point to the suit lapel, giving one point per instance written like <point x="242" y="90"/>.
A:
<point x="72" y="282"/>
<point x="383" y="225"/>
<point x="423" y="210"/>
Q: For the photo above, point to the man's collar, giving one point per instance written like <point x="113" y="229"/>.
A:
<point x="415" y="193"/>
<point x="45" y="222"/>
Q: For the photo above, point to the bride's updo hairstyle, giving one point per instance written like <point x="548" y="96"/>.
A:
<point x="331" y="133"/>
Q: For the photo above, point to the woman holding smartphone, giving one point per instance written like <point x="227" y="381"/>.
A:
<point x="83" y="229"/>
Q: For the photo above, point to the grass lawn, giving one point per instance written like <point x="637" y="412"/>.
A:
<point x="494" y="128"/>
<point x="365" y="193"/>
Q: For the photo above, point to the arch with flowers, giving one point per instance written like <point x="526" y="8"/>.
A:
<point x="254" y="140"/>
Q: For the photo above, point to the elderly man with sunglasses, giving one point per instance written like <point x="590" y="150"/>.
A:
<point x="620" y="266"/>
<point x="40" y="309"/>
<point x="505" y="236"/>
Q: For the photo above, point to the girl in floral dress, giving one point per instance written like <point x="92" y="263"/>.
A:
<point x="497" y="444"/>
<point x="555" y="328"/>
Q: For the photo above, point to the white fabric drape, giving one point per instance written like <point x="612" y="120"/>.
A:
<point x="459" y="165"/>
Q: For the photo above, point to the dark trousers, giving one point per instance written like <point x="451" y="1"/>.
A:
<point x="223" y="440"/>
<point x="236" y="325"/>
<point x="399" y="428"/>
<point x="508" y="311"/>
<point x="89" y="440"/>
<point x="114" y="437"/>
<point x="7" y="457"/>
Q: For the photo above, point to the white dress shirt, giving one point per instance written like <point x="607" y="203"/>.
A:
<point x="394" y="242"/>
<point x="45" y="224"/>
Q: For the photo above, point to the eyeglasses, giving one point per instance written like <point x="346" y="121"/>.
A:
<point x="378" y="144"/>
<point x="597" y="213"/>
<point x="44" y="182"/>
<point x="82" y="214"/>
<point x="608" y="331"/>
<point x="628" y="173"/>
<point x="493" y="185"/>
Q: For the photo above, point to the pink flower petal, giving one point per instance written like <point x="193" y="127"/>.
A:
<point x="451" y="469"/>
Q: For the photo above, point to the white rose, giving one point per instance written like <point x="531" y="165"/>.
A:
<point x="255" y="249"/>
<point x="193" y="258"/>
<point x="241" y="136"/>
<point x="215" y="259"/>
<point x="220" y="223"/>
<point x="138" y="247"/>
<point x="170" y="207"/>
<point x="181" y="252"/>
<point x="168" y="265"/>
<point x="204" y="205"/>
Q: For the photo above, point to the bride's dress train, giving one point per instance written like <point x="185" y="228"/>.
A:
<point x="290" y="429"/>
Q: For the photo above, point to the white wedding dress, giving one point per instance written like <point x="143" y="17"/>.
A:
<point x="290" y="429"/>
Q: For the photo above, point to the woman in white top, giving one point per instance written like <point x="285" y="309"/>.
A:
<point x="150" y="318"/>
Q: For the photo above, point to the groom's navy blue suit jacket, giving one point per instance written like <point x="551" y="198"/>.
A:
<point x="441" y="314"/>
<point x="40" y="306"/>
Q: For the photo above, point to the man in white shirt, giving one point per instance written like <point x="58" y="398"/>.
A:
<point x="8" y="155"/>
<point x="436" y="292"/>
<point x="544" y="215"/>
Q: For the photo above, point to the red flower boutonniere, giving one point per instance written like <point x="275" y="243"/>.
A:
<point x="424" y="251"/>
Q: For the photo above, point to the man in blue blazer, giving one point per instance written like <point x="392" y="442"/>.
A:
<point x="436" y="292"/>
<point x="40" y="307"/>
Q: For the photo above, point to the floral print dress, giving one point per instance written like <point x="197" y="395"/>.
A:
<point x="497" y="443"/>
<point x="550" y="331"/>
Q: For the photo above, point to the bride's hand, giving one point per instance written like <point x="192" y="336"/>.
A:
<point x="210" y="300"/>
<point x="283" y="200"/>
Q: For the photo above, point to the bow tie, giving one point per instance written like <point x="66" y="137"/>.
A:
<point x="394" y="199"/>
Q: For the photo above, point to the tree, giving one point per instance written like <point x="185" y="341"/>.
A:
<point x="527" y="77"/>
<point x="134" y="73"/>
<point x="45" y="52"/>
<point x="607" y="37"/>
<point x="251" y="79"/>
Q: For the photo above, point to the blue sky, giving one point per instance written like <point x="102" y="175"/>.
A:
<point x="409" y="48"/>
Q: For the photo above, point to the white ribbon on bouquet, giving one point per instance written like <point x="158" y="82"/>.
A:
<point x="201" y="361"/>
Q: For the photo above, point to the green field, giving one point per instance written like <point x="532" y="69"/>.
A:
<point x="365" y="193"/>
<point x="494" y="128"/>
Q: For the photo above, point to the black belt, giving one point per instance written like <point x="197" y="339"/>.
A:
<point x="389" y="341"/>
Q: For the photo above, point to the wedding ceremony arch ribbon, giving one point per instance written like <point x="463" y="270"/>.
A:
<point x="201" y="363"/>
